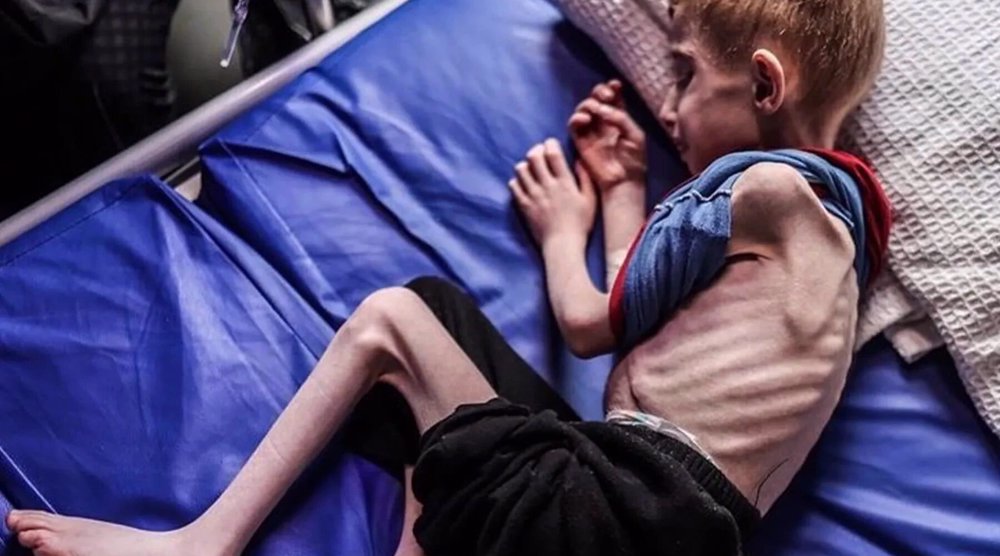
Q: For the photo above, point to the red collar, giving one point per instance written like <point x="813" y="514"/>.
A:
<point x="878" y="212"/>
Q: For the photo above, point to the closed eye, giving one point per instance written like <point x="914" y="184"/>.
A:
<point x="683" y="78"/>
<point x="681" y="68"/>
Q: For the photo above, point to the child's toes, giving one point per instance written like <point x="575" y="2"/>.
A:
<point x="33" y="539"/>
<point x="24" y="521"/>
<point x="555" y="158"/>
<point x="536" y="160"/>
<point x="524" y="178"/>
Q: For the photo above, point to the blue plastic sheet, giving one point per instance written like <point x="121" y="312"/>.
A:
<point x="387" y="162"/>
<point x="146" y="345"/>
<point x="905" y="466"/>
<point x="143" y="359"/>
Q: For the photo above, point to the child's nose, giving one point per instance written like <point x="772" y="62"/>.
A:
<point x="668" y="110"/>
<point x="668" y="117"/>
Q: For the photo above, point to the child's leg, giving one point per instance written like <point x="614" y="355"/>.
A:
<point x="408" y="543"/>
<point x="392" y="337"/>
<point x="381" y="427"/>
<point x="509" y="375"/>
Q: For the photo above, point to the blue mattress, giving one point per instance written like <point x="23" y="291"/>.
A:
<point x="147" y="343"/>
<point x="145" y="352"/>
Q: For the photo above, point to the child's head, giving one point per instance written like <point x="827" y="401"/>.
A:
<point x="767" y="73"/>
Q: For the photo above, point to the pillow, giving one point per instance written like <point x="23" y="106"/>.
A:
<point x="932" y="130"/>
<point x="633" y="35"/>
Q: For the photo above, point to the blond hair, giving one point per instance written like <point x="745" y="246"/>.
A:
<point x="837" y="45"/>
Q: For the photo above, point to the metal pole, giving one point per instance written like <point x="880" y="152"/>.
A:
<point x="168" y="147"/>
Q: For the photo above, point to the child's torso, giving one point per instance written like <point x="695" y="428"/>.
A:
<point x="753" y="365"/>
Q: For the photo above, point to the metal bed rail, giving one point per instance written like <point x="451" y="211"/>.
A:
<point x="177" y="143"/>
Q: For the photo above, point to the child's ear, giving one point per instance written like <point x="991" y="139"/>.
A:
<point x="768" y="81"/>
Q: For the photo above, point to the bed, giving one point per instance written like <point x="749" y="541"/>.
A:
<point x="148" y="341"/>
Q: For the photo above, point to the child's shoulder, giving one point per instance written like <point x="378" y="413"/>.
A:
<point x="774" y="191"/>
<point x="775" y="207"/>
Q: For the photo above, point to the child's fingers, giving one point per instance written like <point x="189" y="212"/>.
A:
<point x="618" y="118"/>
<point x="579" y="120"/>
<point x="591" y="107"/>
<point x="527" y="181"/>
<point x="602" y="93"/>
<point x="584" y="179"/>
<point x="609" y="92"/>
<point x="555" y="159"/>
<point x="605" y="93"/>
<point x="582" y="107"/>
<point x="619" y="99"/>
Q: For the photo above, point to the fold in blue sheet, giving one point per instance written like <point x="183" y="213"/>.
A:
<point x="904" y="467"/>
<point x="146" y="345"/>
<point x="145" y="351"/>
<point x="389" y="160"/>
<point x="385" y="163"/>
<point x="144" y="354"/>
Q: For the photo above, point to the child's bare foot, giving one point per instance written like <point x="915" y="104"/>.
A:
<point x="48" y="534"/>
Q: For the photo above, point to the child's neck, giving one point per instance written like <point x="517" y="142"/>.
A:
<point x="784" y="132"/>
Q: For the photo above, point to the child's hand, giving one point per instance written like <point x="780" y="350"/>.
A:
<point x="548" y="196"/>
<point x="612" y="146"/>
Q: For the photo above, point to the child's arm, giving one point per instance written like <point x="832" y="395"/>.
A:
<point x="560" y="214"/>
<point x="612" y="148"/>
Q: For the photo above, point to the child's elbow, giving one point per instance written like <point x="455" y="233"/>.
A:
<point x="588" y="338"/>
<point x="583" y="349"/>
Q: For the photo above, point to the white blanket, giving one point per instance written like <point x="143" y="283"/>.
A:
<point x="932" y="130"/>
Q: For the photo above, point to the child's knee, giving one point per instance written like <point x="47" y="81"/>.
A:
<point x="384" y="308"/>
<point x="375" y="323"/>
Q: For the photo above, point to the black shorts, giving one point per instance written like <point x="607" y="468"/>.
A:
<point x="498" y="478"/>
<point x="382" y="428"/>
<point x="522" y="475"/>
